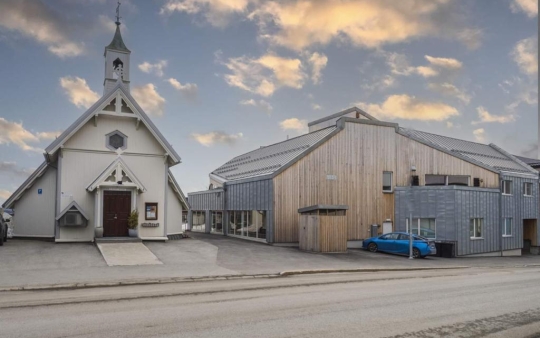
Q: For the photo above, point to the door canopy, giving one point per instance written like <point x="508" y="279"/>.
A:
<point x="117" y="174"/>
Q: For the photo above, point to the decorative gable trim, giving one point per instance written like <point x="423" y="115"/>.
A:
<point x="119" y="92"/>
<point x="73" y="206"/>
<point x="117" y="171"/>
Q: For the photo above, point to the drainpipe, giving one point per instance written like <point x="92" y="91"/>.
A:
<point x="500" y="215"/>
<point x="225" y="211"/>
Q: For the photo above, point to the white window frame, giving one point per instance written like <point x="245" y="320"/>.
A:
<point x="418" y="226"/>
<point x="504" y="230"/>
<point x="391" y="181"/>
<point x="503" y="188"/>
<point x="475" y="225"/>
<point x="525" y="185"/>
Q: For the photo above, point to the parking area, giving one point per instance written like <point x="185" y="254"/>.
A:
<point x="25" y="262"/>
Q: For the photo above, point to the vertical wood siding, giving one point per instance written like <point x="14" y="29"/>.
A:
<point x="323" y="233"/>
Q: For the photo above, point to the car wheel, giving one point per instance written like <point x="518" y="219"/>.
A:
<point x="372" y="247"/>
<point x="5" y="235"/>
<point x="416" y="253"/>
<point x="1" y="239"/>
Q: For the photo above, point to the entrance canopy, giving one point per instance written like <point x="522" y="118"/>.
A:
<point x="117" y="174"/>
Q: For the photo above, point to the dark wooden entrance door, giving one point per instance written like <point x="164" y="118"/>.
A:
<point x="116" y="209"/>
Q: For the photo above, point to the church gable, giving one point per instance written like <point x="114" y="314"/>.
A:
<point x="116" y="111"/>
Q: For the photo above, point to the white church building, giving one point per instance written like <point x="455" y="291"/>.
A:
<point x="110" y="161"/>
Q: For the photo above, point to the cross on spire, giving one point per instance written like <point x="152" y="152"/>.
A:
<point x="118" y="17"/>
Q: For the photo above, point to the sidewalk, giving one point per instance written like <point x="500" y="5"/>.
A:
<point x="31" y="263"/>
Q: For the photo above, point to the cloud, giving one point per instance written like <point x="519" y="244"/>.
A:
<point x="409" y="108"/>
<point x="365" y="23"/>
<point x="11" y="168"/>
<point x="15" y="133"/>
<point x="318" y="63"/>
<point x="449" y="89"/>
<point x="36" y="20"/>
<point x="294" y="124"/>
<point x="486" y="117"/>
<point x="261" y="104"/>
<point x="48" y="135"/>
<point x="189" y="91"/>
<point x="447" y="63"/>
<point x="156" y="68"/>
<point x="214" y="137"/>
<point x="264" y="75"/>
<point x="149" y="99"/>
<point x="78" y="91"/>
<point x="449" y="124"/>
<point x="426" y="71"/>
<point x="525" y="54"/>
<point x="216" y="12"/>
<point x="529" y="7"/>
<point x="470" y="37"/>
<point x="382" y="83"/>
<point x="316" y="106"/>
<point x="531" y="151"/>
<point x="4" y="194"/>
<point x="480" y="135"/>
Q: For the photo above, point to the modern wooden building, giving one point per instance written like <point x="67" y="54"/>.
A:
<point x="477" y="196"/>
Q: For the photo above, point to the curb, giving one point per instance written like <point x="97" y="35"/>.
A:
<point x="309" y="272"/>
<point x="73" y="286"/>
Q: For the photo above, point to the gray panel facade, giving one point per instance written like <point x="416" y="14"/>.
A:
<point x="453" y="207"/>
<point x="245" y="196"/>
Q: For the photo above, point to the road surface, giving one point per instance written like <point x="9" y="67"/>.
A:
<point x="466" y="303"/>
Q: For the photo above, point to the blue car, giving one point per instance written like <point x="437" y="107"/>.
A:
<point x="398" y="243"/>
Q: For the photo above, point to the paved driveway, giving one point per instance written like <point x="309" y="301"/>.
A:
<point x="24" y="262"/>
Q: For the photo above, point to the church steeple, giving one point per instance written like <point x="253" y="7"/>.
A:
<point x="116" y="59"/>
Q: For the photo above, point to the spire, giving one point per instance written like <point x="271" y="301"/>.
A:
<point x="117" y="43"/>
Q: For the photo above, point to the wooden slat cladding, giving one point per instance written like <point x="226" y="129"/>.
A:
<point x="323" y="233"/>
<point x="357" y="156"/>
<point x="428" y="160"/>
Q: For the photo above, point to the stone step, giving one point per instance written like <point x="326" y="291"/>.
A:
<point x="118" y="240"/>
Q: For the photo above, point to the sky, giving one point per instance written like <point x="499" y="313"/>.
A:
<point x="223" y="77"/>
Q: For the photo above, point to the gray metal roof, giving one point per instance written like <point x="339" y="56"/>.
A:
<point x="484" y="154"/>
<point x="269" y="159"/>
<point x="533" y="162"/>
<point x="117" y="43"/>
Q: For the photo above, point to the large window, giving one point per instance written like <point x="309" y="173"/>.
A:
<point x="250" y="223"/>
<point x="507" y="227"/>
<point x="507" y="187"/>
<point x="447" y="180"/>
<point x="387" y="181"/>
<point x="476" y="228"/>
<point x="425" y="227"/>
<point x="217" y="222"/>
<point x="198" y="222"/>
<point x="527" y="189"/>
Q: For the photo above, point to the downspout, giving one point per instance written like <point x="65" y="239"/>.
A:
<point x="500" y="215"/>
<point x="225" y="211"/>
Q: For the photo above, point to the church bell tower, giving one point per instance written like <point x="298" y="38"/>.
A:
<point x="116" y="59"/>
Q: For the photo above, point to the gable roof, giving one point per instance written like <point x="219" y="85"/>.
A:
<point x="26" y="185"/>
<point x="84" y="118"/>
<point x="488" y="156"/>
<point x="119" y="162"/>
<point x="344" y="112"/>
<point x="272" y="158"/>
<point x="179" y="191"/>
<point x="72" y="207"/>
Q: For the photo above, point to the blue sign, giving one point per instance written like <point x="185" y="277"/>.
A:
<point x="40" y="191"/>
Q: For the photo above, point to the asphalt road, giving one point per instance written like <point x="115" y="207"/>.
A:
<point x="454" y="303"/>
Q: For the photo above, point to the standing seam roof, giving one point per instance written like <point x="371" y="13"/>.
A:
<point x="478" y="152"/>
<point x="269" y="159"/>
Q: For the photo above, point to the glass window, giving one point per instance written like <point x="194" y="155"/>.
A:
<point x="387" y="181"/>
<point x="435" y="180"/>
<point x="507" y="227"/>
<point x="475" y="228"/>
<point x="217" y="222"/>
<point x="198" y="221"/>
<point x="458" y="180"/>
<point x="404" y="237"/>
<point x="232" y="222"/>
<point x="507" y="188"/>
<point x="424" y="227"/>
<point x="527" y="189"/>
<point x="389" y="236"/>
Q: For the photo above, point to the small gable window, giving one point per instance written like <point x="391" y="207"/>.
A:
<point x="116" y="140"/>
